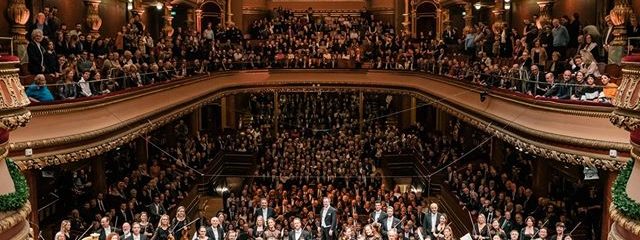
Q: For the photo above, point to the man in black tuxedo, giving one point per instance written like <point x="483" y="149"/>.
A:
<point x="135" y="233"/>
<point x="328" y="219"/>
<point x="390" y="223"/>
<point x="156" y="209"/>
<point x="298" y="233"/>
<point x="265" y="211"/>
<point x="378" y="215"/>
<point x="431" y="220"/>
<point x="126" y="231"/>
<point x="105" y="228"/>
<point x="35" y="52"/>
<point x="215" y="231"/>
<point x="124" y="214"/>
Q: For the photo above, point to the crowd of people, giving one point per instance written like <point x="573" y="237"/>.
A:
<point x="533" y="61"/>
<point x="319" y="176"/>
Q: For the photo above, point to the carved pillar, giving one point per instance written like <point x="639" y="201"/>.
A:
<point x="406" y="23"/>
<point x="93" y="20"/>
<point x="196" y="120"/>
<point x="198" y="20"/>
<point x="138" y="8"/>
<point x="18" y="15"/>
<point x="619" y="17"/>
<point x="15" y="210"/>
<point x="191" y="15"/>
<point x="414" y="19"/>
<point x="168" y="24"/>
<point x="626" y="190"/>
<point x="468" y="18"/>
<point x="361" y="111"/>
<point x="142" y="149"/>
<point x="498" y="11"/>
<point x="229" y="13"/>
<point x="443" y="17"/>
<point x="546" y="9"/>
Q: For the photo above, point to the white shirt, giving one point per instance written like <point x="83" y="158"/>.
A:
<point x="433" y="221"/>
<point x="107" y="231"/>
<point x="324" y="215"/>
<point x="297" y="234"/>
<point x="389" y="223"/>
<point x="215" y="233"/>
<point x="376" y="216"/>
<point x="265" y="213"/>
<point x="84" y="87"/>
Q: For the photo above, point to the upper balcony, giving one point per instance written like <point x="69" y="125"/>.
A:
<point x="578" y="132"/>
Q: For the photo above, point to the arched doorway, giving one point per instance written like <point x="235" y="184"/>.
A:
<point x="211" y="13"/>
<point x="426" y="19"/>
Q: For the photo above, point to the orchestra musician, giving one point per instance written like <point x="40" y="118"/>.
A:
<point x="378" y="214"/>
<point x="136" y="233"/>
<point x="163" y="231"/>
<point x="390" y="223"/>
<point x="146" y="226"/>
<point x="298" y="233"/>
<point x="179" y="223"/>
<point x="481" y="229"/>
<point x="328" y="219"/>
<point x="431" y="220"/>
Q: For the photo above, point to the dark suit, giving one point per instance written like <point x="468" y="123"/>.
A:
<point x="330" y="222"/>
<point x="426" y="224"/>
<point x="125" y="216"/>
<point x="36" y="58"/>
<point x="385" y="227"/>
<point x="103" y="234"/>
<point x="142" y="237"/>
<point x="304" y="235"/>
<point x="211" y="235"/>
<point x="156" y="212"/>
<point x="270" y="213"/>
<point x="382" y="216"/>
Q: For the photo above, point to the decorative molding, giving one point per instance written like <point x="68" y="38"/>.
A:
<point x="530" y="140"/>
<point x="621" y="220"/>
<point x="11" y="219"/>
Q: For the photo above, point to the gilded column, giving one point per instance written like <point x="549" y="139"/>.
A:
<point x="498" y="11"/>
<point x="15" y="207"/>
<point x="199" y="20"/>
<point x="545" y="15"/>
<point x="93" y="20"/>
<point x="138" y="8"/>
<point x="168" y="24"/>
<point x="191" y="15"/>
<point x="625" y="207"/>
<point x="468" y="18"/>
<point x="620" y="18"/>
<point x="406" y="23"/>
<point x="229" y="13"/>
<point x="18" y="15"/>
<point x="439" y="23"/>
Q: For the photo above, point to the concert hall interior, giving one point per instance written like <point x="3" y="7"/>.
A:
<point x="319" y="119"/>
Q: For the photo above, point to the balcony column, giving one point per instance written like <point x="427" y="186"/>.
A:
<point x="191" y="15"/>
<point x="545" y="15"/>
<point x="168" y="24"/>
<point x="93" y="20"/>
<point x="498" y="11"/>
<point x="98" y="170"/>
<point x="406" y="23"/>
<point x="18" y="15"/>
<point x="627" y="116"/>
<point x="199" y="20"/>
<point x="620" y="18"/>
<point x="229" y="13"/>
<point x="13" y="114"/>
<point x="468" y="18"/>
<point x="414" y="20"/>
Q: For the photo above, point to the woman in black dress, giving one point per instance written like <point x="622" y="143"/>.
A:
<point x="481" y="228"/>
<point x="163" y="232"/>
<point x="179" y="223"/>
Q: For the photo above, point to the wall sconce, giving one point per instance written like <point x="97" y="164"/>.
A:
<point x="159" y="6"/>
<point x="507" y="1"/>
<point x="464" y="13"/>
<point x="477" y="5"/>
<point x="507" y="6"/>
<point x="129" y="6"/>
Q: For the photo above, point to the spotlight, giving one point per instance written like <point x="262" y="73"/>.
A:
<point x="507" y="1"/>
<point x="129" y="6"/>
<point x="159" y="6"/>
<point x="507" y="6"/>
<point x="483" y="96"/>
<point x="464" y="13"/>
<point x="478" y="5"/>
